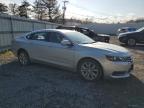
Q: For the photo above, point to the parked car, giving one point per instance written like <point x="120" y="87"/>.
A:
<point x="131" y="38"/>
<point x="88" y="32"/>
<point x="126" y="29"/>
<point x="74" y="51"/>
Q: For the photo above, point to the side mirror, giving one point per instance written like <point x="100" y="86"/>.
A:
<point x="66" y="43"/>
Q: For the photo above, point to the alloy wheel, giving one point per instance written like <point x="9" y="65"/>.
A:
<point x="90" y="70"/>
<point x="23" y="58"/>
<point x="131" y="42"/>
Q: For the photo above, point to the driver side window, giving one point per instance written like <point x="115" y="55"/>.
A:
<point x="55" y="37"/>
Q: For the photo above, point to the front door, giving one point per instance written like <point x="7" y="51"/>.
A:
<point x="57" y="53"/>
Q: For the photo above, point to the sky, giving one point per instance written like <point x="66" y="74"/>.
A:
<point x="107" y="11"/>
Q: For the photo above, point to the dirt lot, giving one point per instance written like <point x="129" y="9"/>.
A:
<point x="42" y="86"/>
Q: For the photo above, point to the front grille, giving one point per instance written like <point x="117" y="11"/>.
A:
<point x="127" y="59"/>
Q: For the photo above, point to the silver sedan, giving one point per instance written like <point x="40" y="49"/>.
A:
<point x="74" y="51"/>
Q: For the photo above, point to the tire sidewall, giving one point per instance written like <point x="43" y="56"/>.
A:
<point x="26" y="55"/>
<point x="100" y="73"/>
<point x="130" y="44"/>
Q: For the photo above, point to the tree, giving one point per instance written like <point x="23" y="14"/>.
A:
<point x="13" y="8"/>
<point x="3" y="8"/>
<point x="53" y="10"/>
<point x="40" y="10"/>
<point x="23" y="9"/>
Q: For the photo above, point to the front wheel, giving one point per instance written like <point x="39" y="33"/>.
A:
<point x="90" y="69"/>
<point x="131" y="42"/>
<point x="23" y="58"/>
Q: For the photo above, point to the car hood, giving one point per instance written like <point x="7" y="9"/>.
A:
<point x="108" y="49"/>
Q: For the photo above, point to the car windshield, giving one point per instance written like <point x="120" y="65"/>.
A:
<point x="141" y="29"/>
<point x="79" y="38"/>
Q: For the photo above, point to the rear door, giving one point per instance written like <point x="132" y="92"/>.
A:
<point x="37" y="46"/>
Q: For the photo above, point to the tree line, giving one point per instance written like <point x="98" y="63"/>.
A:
<point x="47" y="10"/>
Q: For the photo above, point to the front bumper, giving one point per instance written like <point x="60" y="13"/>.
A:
<point x="118" y="69"/>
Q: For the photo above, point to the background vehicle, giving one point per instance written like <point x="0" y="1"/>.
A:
<point x="88" y="32"/>
<point x="131" y="38"/>
<point x="126" y="29"/>
<point x="75" y="51"/>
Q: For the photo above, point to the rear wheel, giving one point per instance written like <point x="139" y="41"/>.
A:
<point x="90" y="69"/>
<point x="23" y="58"/>
<point x="131" y="42"/>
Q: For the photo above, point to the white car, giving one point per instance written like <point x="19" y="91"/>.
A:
<point x="75" y="51"/>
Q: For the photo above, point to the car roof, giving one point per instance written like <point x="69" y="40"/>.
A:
<point x="46" y="30"/>
<point x="53" y="30"/>
<point x="61" y="27"/>
<point x="72" y="27"/>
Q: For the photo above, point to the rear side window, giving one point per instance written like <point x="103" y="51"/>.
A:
<point x="41" y="36"/>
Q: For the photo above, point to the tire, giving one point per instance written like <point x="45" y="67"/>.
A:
<point x="23" y="58"/>
<point x="90" y="69"/>
<point x="131" y="42"/>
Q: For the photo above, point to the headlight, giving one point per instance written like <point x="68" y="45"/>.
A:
<point x="117" y="58"/>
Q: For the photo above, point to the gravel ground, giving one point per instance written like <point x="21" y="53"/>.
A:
<point x="42" y="86"/>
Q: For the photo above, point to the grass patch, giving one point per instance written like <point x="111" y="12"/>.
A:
<point x="6" y="56"/>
